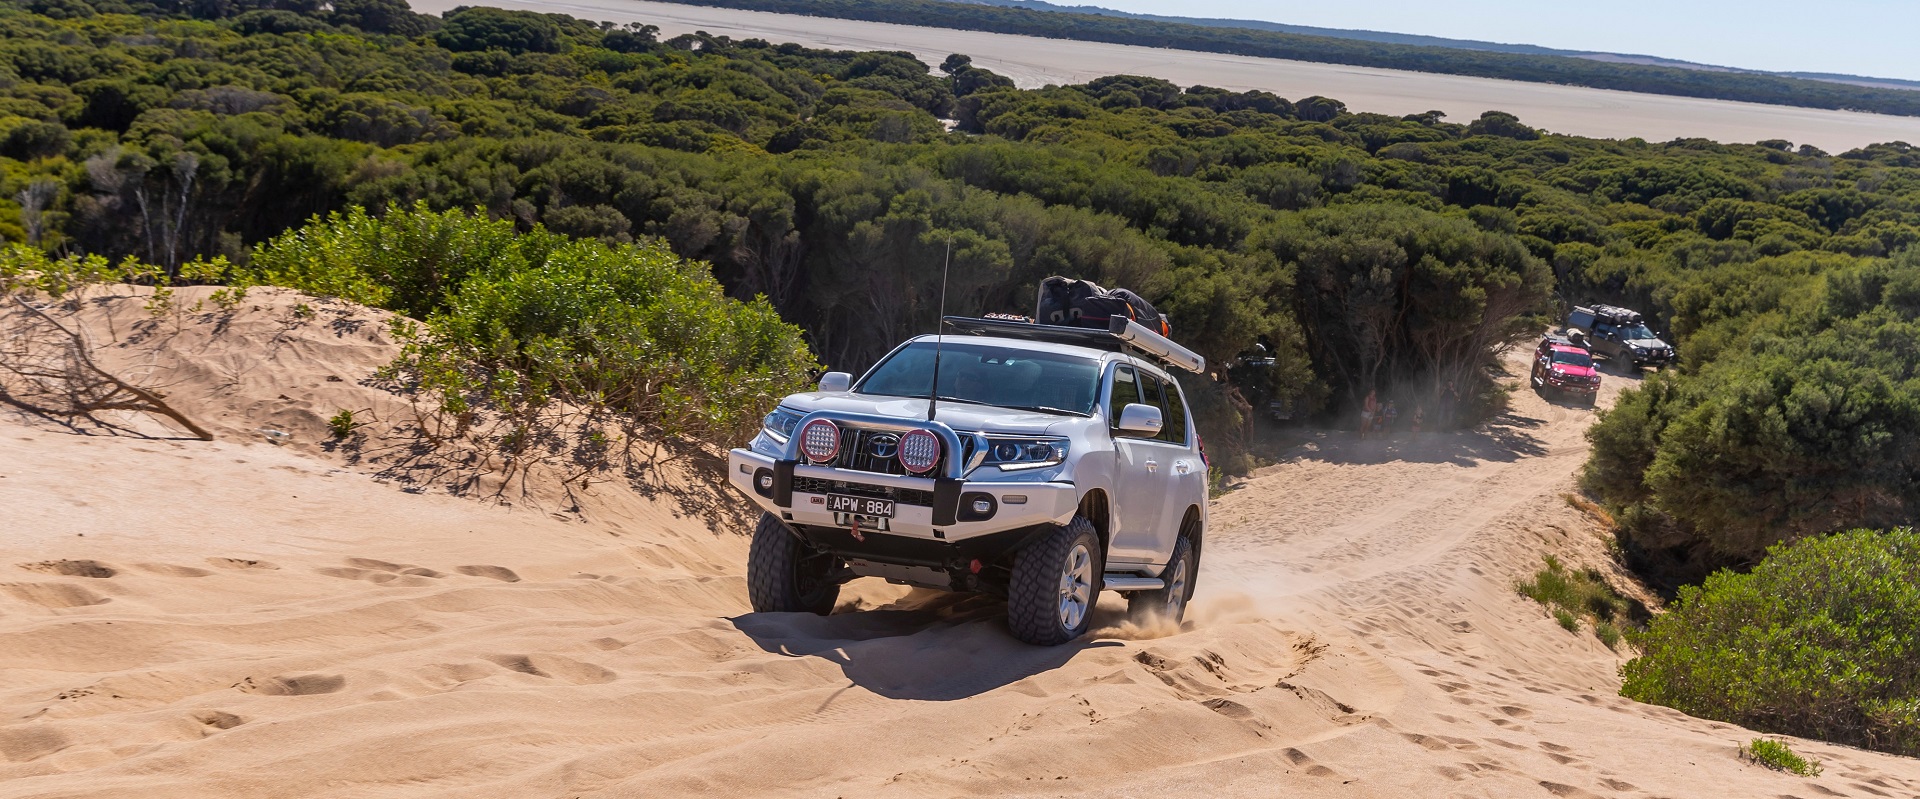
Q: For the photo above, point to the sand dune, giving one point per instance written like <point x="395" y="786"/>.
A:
<point x="1034" y="62"/>
<point x="244" y="619"/>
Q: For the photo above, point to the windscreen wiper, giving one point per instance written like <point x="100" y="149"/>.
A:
<point x="1044" y="409"/>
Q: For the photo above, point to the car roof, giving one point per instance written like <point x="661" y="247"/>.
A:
<point x="1558" y="347"/>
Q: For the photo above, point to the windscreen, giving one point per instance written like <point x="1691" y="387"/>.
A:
<point x="984" y="374"/>
<point x="1636" y="332"/>
<point x="1572" y="358"/>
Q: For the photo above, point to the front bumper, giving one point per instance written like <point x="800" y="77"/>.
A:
<point x="1574" y="388"/>
<point x="925" y="509"/>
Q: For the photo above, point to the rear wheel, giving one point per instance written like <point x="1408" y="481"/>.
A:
<point x="1055" y="582"/>
<point x="1169" y="602"/>
<point x="784" y="575"/>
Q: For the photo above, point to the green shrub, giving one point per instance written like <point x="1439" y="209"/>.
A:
<point x="1775" y="755"/>
<point x="519" y="322"/>
<point x="408" y="260"/>
<point x="633" y="329"/>
<point x="342" y="423"/>
<point x="24" y="268"/>
<point x="1821" y="640"/>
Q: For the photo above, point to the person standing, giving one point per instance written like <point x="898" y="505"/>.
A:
<point x="1449" y="405"/>
<point x="1368" y="409"/>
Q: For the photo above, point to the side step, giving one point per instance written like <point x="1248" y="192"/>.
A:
<point x="1131" y="582"/>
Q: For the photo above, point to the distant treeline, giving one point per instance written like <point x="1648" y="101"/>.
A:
<point x="1573" y="71"/>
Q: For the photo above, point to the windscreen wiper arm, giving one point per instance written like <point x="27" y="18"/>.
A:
<point x="1044" y="409"/>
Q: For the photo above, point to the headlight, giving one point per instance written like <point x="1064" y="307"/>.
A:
<point x="1014" y="454"/>
<point x="779" y="424"/>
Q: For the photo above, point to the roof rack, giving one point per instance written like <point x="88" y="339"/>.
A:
<point x="1121" y="334"/>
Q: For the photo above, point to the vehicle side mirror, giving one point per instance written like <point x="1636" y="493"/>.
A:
<point x="835" y="382"/>
<point x="1142" y="419"/>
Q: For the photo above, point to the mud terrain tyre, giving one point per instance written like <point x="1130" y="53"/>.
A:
<point x="1055" y="583"/>
<point x="1168" y="603"/>
<point x="784" y="575"/>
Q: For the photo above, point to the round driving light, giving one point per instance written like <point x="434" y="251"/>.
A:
<point x="766" y="481"/>
<point x="919" y="451"/>
<point x="982" y="506"/>
<point x="820" y="440"/>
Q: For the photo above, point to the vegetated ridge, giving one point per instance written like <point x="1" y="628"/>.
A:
<point x="1571" y="70"/>
<point x="1385" y="37"/>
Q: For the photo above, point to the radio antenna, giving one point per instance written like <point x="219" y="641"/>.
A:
<point x="939" y="329"/>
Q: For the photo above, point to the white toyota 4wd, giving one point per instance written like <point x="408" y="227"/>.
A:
<point x="1054" y="463"/>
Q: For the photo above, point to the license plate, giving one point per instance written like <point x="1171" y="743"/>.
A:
<point x="860" y="506"/>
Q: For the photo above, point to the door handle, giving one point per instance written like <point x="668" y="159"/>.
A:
<point x="1182" y="467"/>
<point x="1153" y="465"/>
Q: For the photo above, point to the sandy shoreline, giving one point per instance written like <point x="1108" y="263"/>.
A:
<point x="1034" y="62"/>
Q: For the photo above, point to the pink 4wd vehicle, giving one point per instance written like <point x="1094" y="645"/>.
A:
<point x="1561" y="367"/>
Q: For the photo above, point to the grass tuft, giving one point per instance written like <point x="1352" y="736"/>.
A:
<point x="1590" y="508"/>
<point x="1608" y="634"/>
<point x="1567" y="620"/>
<point x="1775" y="755"/>
<point x="1573" y="595"/>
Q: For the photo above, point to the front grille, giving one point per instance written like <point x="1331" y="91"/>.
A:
<point x="857" y="451"/>
<point x="904" y="496"/>
<point x="877" y="451"/>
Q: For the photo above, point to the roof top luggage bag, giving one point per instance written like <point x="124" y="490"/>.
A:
<point x="1081" y="303"/>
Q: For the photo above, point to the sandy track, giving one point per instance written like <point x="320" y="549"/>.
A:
<point x="1034" y="62"/>
<point x="180" y="619"/>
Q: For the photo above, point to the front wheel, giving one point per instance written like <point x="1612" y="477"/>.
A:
<point x="784" y="575"/>
<point x="1055" y="582"/>
<point x="1169" y="602"/>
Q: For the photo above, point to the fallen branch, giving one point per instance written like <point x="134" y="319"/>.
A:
<point x="84" y="387"/>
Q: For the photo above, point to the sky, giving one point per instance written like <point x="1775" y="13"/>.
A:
<point x="1878" y="38"/>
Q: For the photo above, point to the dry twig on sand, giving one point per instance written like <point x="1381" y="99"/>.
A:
<point x="45" y="368"/>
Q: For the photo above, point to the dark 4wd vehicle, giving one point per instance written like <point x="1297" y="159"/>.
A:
<point x="1620" y="335"/>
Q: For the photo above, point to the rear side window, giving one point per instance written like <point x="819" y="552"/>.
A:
<point x="1126" y="391"/>
<point x="1175" y="431"/>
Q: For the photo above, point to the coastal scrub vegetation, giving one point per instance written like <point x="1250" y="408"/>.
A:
<point x="1822" y="639"/>
<point x="516" y="322"/>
